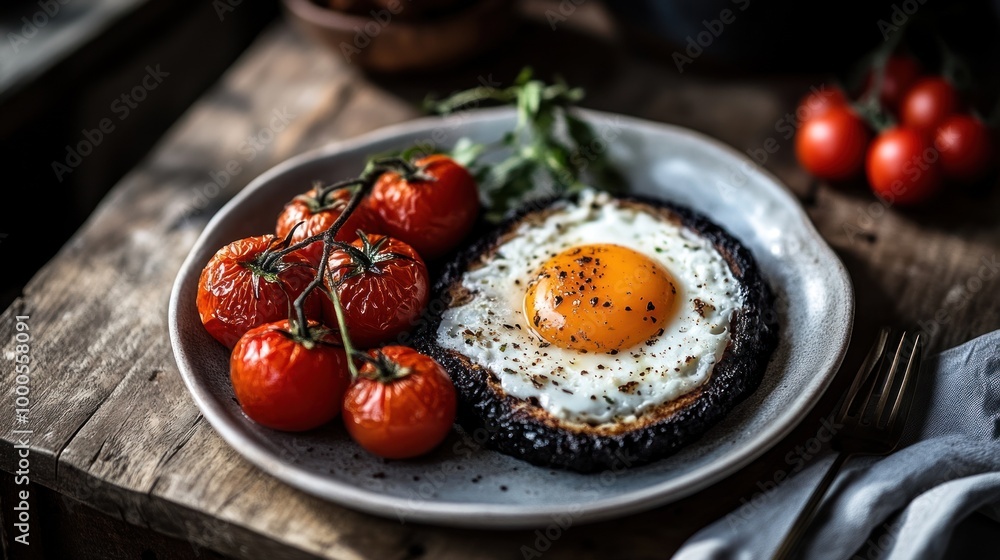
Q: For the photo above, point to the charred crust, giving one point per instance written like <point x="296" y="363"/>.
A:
<point x="522" y="429"/>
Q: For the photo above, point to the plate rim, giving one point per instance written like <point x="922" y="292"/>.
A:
<point x="506" y="515"/>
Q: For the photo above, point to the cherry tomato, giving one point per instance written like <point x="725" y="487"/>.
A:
<point x="832" y="146"/>
<point x="432" y="215"/>
<point x="401" y="406"/>
<point x="928" y="103"/>
<point x="901" y="72"/>
<point x="237" y="293"/>
<point x="903" y="167"/>
<point x="319" y="215"/>
<point x="383" y="287"/>
<point x="965" y="146"/>
<point x="288" y="383"/>
<point x="819" y="102"/>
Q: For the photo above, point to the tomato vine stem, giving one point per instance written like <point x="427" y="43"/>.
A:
<point x="345" y="338"/>
<point x="384" y="369"/>
<point x="365" y="182"/>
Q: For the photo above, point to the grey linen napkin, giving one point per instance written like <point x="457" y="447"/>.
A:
<point x="905" y="505"/>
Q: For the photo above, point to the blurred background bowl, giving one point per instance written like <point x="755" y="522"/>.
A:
<point x="752" y="36"/>
<point x="399" y="36"/>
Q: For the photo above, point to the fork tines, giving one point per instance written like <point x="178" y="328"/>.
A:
<point x="878" y="395"/>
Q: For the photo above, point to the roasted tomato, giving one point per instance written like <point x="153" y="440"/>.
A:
<point x="237" y="292"/>
<point x="431" y="211"/>
<point x="832" y="146"/>
<point x="318" y="215"/>
<point x="286" y="381"/>
<point x="402" y="404"/>
<point x="383" y="288"/>
<point x="903" y="167"/>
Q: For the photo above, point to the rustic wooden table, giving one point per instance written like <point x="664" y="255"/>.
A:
<point x="113" y="426"/>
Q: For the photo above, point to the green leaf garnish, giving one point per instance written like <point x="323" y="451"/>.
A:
<point x="550" y="152"/>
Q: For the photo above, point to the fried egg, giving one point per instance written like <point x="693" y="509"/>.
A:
<point x="597" y="312"/>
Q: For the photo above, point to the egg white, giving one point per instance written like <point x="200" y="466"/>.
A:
<point x="596" y="387"/>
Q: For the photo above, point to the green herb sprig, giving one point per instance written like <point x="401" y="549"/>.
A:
<point x="550" y="147"/>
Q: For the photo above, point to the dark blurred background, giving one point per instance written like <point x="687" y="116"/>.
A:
<point x="61" y="61"/>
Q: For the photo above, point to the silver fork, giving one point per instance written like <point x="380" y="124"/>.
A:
<point x="870" y="426"/>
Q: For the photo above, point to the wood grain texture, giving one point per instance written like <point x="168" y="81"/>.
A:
<point x="115" y="429"/>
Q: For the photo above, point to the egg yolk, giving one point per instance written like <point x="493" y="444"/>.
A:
<point x="600" y="298"/>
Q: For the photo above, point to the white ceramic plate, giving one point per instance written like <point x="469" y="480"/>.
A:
<point x="464" y="484"/>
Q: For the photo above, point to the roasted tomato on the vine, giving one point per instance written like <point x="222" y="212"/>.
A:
<point x="383" y="288"/>
<point x="832" y="145"/>
<point x="287" y="381"/>
<point x="318" y="215"/>
<point x="903" y="167"/>
<point x="431" y="210"/>
<point x="239" y="290"/>
<point x="402" y="404"/>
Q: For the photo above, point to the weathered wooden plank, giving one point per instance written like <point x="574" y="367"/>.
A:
<point x="32" y="48"/>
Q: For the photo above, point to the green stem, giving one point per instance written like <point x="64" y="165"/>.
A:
<point x="992" y="120"/>
<point x="323" y="192"/>
<point x="468" y="97"/>
<point x="870" y="105"/>
<point x="397" y="164"/>
<point x="344" y="337"/>
<point x="366" y="182"/>
<point x="366" y="187"/>
<point x="302" y="328"/>
<point x="327" y="238"/>
<point x="953" y="67"/>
